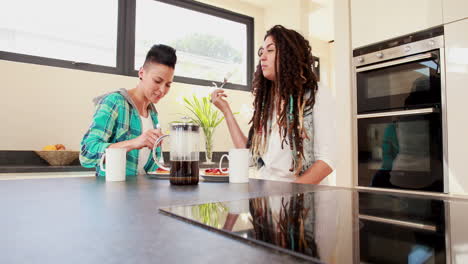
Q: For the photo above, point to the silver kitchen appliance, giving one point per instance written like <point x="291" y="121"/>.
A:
<point x="400" y="87"/>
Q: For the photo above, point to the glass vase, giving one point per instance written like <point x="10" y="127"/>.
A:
<point x="208" y="147"/>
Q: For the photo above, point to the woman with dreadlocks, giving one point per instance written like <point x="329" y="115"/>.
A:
<point x="292" y="126"/>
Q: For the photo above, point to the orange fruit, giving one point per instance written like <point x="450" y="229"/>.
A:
<point x="49" y="147"/>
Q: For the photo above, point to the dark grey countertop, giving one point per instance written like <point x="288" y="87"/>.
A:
<point x="29" y="169"/>
<point x="12" y="161"/>
<point x="88" y="220"/>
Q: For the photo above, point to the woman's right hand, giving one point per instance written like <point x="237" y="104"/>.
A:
<point x="147" y="139"/>
<point x="218" y="100"/>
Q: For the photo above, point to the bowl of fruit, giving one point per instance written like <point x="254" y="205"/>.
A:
<point x="58" y="155"/>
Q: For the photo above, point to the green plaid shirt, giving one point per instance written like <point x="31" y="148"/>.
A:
<point x="116" y="119"/>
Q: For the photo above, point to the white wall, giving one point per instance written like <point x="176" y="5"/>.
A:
<point x="342" y="82"/>
<point x="322" y="49"/>
<point x="321" y="20"/>
<point x="291" y="14"/>
<point x="48" y="105"/>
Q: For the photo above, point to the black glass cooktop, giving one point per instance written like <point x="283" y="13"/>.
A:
<point x="342" y="226"/>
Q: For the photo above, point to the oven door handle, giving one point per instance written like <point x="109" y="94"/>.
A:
<point x="422" y="226"/>
<point x="400" y="113"/>
<point x="423" y="56"/>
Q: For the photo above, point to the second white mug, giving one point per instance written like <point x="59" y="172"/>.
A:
<point x="116" y="164"/>
<point x="238" y="165"/>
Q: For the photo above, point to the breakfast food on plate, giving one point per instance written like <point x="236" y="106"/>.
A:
<point x="54" y="147"/>
<point x="217" y="172"/>
<point x="162" y="171"/>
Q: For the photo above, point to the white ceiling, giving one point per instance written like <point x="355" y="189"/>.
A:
<point x="263" y="3"/>
<point x="313" y="4"/>
<point x="320" y="16"/>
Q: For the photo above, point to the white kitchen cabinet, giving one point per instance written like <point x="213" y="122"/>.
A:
<point x="456" y="52"/>
<point x="458" y="231"/>
<point x="377" y="20"/>
<point x="455" y="10"/>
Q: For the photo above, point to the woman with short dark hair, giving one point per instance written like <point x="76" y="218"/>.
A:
<point x="128" y="118"/>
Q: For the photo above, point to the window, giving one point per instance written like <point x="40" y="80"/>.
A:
<point x="114" y="35"/>
<point x="59" y="30"/>
<point x="208" y="47"/>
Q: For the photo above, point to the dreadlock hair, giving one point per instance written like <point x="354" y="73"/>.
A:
<point x="293" y="92"/>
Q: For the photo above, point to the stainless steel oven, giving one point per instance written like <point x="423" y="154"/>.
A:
<point x="401" y="150"/>
<point x="400" y="112"/>
<point x="407" y="83"/>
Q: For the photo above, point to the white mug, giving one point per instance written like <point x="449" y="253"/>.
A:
<point x="238" y="165"/>
<point x="116" y="163"/>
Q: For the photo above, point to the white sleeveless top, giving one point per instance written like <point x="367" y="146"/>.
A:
<point x="144" y="153"/>
<point x="278" y="160"/>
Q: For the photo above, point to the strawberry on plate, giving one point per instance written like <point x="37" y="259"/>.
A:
<point x="162" y="171"/>
<point x="217" y="172"/>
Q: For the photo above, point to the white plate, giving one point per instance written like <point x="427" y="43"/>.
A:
<point x="215" y="178"/>
<point x="164" y="176"/>
<point x="206" y="178"/>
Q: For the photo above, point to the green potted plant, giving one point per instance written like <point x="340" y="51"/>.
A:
<point x="207" y="117"/>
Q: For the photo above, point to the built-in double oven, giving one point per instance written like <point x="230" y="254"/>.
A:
<point x="400" y="112"/>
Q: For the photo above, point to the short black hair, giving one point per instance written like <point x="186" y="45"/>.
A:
<point x="161" y="54"/>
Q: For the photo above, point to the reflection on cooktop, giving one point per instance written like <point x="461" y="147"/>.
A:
<point x="398" y="229"/>
<point x="341" y="226"/>
<point x="304" y="225"/>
